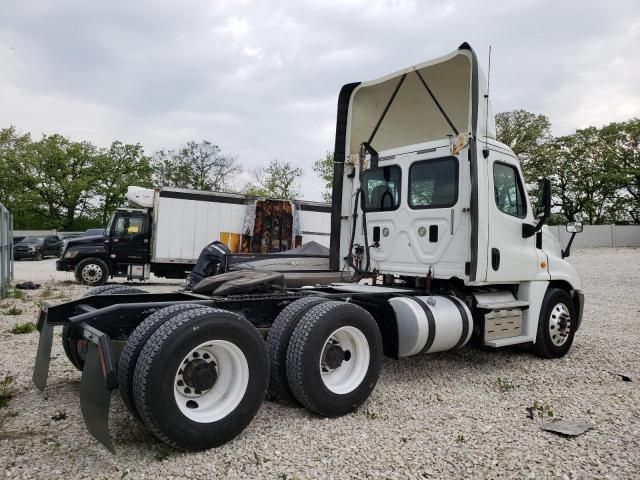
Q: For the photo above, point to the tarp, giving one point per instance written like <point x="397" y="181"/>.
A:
<point x="310" y="248"/>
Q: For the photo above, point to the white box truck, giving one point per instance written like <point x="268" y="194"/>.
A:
<point x="165" y="229"/>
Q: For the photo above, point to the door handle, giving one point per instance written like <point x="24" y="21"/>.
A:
<point x="115" y="240"/>
<point x="495" y="258"/>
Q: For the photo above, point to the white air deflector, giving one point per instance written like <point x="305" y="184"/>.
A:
<point x="430" y="324"/>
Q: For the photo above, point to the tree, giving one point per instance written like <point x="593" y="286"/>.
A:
<point x="525" y="133"/>
<point x="118" y="167"/>
<point x="622" y="144"/>
<point x="62" y="174"/>
<point x="199" y="166"/>
<point x="324" y="169"/>
<point x="278" y="180"/>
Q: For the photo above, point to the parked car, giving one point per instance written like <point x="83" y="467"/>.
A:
<point x="37" y="248"/>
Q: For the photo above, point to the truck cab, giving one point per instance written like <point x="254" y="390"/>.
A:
<point x="123" y="249"/>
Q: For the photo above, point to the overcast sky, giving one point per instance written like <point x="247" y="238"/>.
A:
<point x="261" y="78"/>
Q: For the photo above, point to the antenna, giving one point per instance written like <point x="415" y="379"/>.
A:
<point x="485" y="152"/>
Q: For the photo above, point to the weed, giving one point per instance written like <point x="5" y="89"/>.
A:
<point x="7" y="390"/>
<point x="260" y="460"/>
<point x="460" y="439"/>
<point x="14" y="311"/>
<point x="504" y="385"/>
<point x="370" y="413"/>
<point x="21" y="328"/>
<point x="162" y="453"/>
<point x="19" y="294"/>
<point x="46" y="291"/>
<point x="539" y="410"/>
<point x="59" y="416"/>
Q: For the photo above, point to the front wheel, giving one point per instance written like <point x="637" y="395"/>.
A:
<point x="92" y="272"/>
<point x="556" y="326"/>
<point x="334" y="358"/>
<point x="201" y="378"/>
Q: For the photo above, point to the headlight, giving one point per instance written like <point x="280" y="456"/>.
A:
<point x="71" y="254"/>
<point x="32" y="249"/>
<point x="64" y="244"/>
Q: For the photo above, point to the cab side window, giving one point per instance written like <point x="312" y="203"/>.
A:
<point x="508" y="190"/>
<point x="128" y="226"/>
<point x="433" y="183"/>
<point x="382" y="188"/>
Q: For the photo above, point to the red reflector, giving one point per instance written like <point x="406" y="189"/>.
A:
<point x="101" y="362"/>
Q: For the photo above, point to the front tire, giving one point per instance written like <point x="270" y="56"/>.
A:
<point x="201" y="378"/>
<point x="334" y="358"/>
<point x="556" y="325"/>
<point x="92" y="272"/>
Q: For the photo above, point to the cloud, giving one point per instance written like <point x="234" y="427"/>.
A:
<point x="261" y="78"/>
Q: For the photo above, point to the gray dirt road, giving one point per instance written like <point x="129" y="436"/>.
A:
<point x="452" y="415"/>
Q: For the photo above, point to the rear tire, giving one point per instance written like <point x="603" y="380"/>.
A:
<point x="92" y="272"/>
<point x="234" y="361"/>
<point x="334" y="358"/>
<point x="74" y="346"/>
<point x="277" y="343"/>
<point x="556" y="325"/>
<point x="135" y="344"/>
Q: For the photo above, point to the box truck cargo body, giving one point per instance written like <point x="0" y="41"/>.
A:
<point x="165" y="230"/>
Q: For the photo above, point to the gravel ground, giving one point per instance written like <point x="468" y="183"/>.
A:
<point x="438" y="416"/>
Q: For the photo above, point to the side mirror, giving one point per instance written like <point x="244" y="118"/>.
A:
<point x="574" y="227"/>
<point x="544" y="198"/>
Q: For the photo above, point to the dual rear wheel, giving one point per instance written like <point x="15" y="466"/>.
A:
<point x="325" y="355"/>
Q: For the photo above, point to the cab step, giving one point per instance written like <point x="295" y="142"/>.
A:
<point x="504" y="342"/>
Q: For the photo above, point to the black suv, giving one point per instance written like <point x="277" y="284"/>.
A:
<point x="37" y="247"/>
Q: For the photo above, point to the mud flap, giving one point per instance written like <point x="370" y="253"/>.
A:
<point x="95" y="397"/>
<point x="43" y="356"/>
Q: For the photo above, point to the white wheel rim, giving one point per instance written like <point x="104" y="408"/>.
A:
<point x="559" y="324"/>
<point x="227" y="391"/>
<point x="91" y="273"/>
<point x="351" y="372"/>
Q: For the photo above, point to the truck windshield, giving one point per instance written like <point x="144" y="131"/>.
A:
<point x="381" y="188"/>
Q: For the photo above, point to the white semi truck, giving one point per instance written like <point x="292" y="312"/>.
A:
<point x="434" y="242"/>
<point x="164" y="230"/>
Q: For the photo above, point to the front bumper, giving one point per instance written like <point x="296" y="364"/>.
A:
<point x="23" y="255"/>
<point x="62" y="266"/>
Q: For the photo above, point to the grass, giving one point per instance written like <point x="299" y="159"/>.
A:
<point x="7" y="390"/>
<point x="19" y="294"/>
<point x="161" y="453"/>
<point x="540" y="411"/>
<point x="504" y="385"/>
<point x="21" y="328"/>
<point x="14" y="311"/>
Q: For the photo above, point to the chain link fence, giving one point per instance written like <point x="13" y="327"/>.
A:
<point x="6" y="250"/>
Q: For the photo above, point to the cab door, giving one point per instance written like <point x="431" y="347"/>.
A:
<point x="510" y="257"/>
<point x="130" y="238"/>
